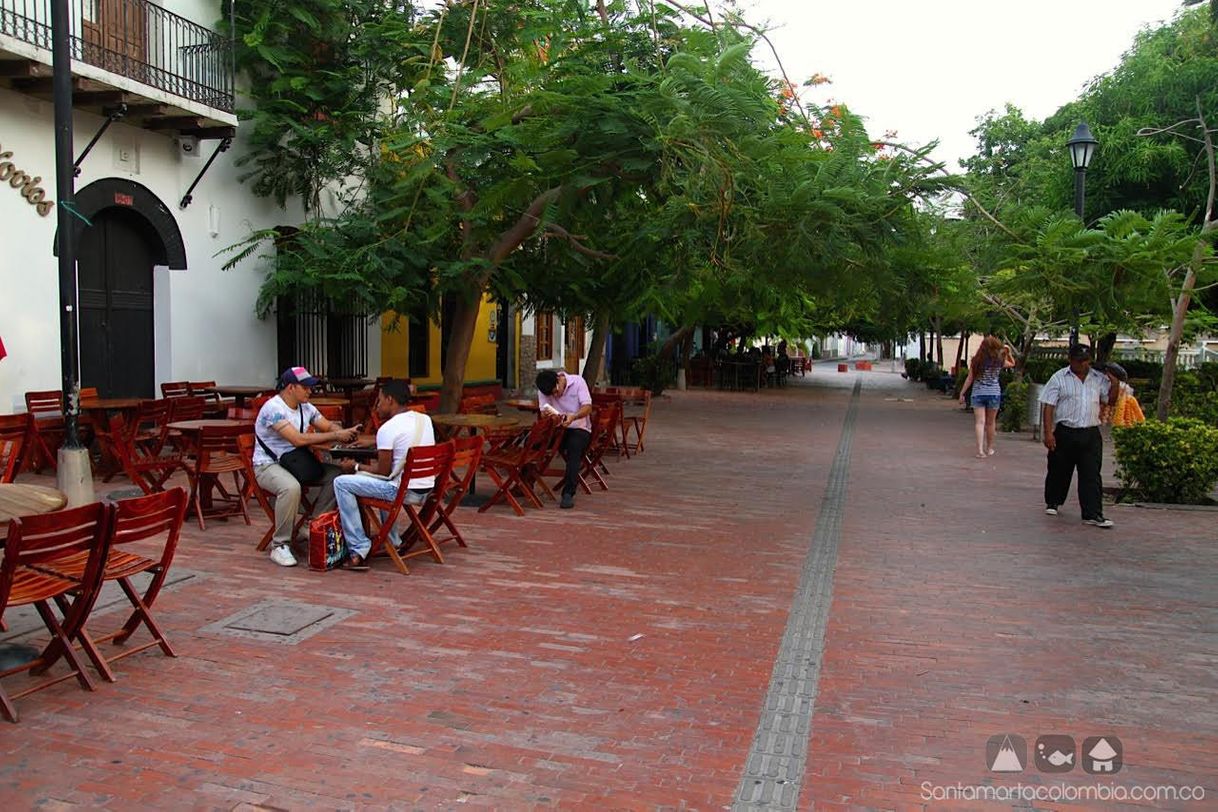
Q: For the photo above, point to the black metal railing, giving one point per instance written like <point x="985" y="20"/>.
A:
<point x="138" y="40"/>
<point x="329" y="338"/>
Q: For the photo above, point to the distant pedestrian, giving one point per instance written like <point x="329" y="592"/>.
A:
<point x="991" y="358"/>
<point x="1127" y="411"/>
<point x="1071" y="403"/>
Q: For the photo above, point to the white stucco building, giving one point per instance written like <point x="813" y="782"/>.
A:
<point x="154" y="303"/>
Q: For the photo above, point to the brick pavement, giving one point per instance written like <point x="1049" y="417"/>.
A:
<point x="515" y="677"/>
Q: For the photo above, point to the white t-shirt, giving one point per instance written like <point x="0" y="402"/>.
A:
<point x="398" y="433"/>
<point x="273" y="413"/>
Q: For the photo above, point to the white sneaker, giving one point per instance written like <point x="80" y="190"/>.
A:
<point x="1105" y="523"/>
<point x="1050" y="510"/>
<point x="281" y="554"/>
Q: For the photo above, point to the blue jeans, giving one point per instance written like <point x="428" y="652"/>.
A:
<point x="987" y="401"/>
<point x="346" y="488"/>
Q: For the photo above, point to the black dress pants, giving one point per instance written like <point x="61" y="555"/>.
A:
<point x="1082" y="449"/>
<point x="574" y="444"/>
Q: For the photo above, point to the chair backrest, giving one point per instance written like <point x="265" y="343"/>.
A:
<point x="427" y="460"/>
<point x="44" y="402"/>
<point x="175" y="389"/>
<point x="186" y="407"/>
<point x="467" y="454"/>
<point x="244" y="413"/>
<point x="220" y="439"/>
<point x="39" y="539"/>
<point x="331" y="413"/>
<point x="88" y="393"/>
<point x="196" y="388"/>
<point x="146" y="517"/>
<point x="13" y="425"/>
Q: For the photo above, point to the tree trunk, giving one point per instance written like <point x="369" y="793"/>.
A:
<point x="921" y="345"/>
<point x="676" y="338"/>
<point x="1103" y="348"/>
<point x="1174" y="335"/>
<point x="460" y="341"/>
<point x="939" y="341"/>
<point x="595" y="364"/>
<point x="960" y="349"/>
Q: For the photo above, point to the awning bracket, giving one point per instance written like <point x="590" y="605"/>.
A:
<point x="225" y="143"/>
<point x="112" y="115"/>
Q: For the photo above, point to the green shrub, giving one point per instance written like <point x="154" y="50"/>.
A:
<point x="1196" y="404"/>
<point x="961" y="376"/>
<point x="1014" y="406"/>
<point x="1039" y="370"/>
<point x="1175" y="462"/>
<point x="913" y="366"/>
<point x="654" y="373"/>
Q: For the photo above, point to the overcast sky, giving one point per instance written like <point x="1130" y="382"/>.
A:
<point x="929" y="68"/>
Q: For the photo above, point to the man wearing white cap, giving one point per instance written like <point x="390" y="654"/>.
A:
<point x="282" y="426"/>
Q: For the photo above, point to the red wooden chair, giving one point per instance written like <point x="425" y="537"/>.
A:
<point x="151" y="429"/>
<point x="467" y="454"/>
<point x="216" y="405"/>
<point x="184" y="407"/>
<point x="421" y="461"/>
<point x="245" y="443"/>
<point x="604" y="397"/>
<point x="158" y="516"/>
<point x="605" y="421"/>
<point x="35" y="542"/>
<point x="175" y="389"/>
<point x="641" y="399"/>
<point x="217" y="454"/>
<point x="144" y="469"/>
<point x="12" y="441"/>
<point x="515" y="468"/>
<point x="44" y="428"/>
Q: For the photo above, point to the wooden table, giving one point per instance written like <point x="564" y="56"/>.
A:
<point x="196" y="426"/>
<point x="523" y="405"/>
<point x="360" y="453"/>
<point x="456" y="422"/>
<point x="19" y="499"/>
<point x="110" y="404"/>
<point x="238" y="393"/>
<point x="349" y="385"/>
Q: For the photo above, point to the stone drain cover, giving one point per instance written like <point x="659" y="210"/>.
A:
<point x="278" y="621"/>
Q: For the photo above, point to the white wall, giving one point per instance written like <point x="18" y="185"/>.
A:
<point x="205" y="326"/>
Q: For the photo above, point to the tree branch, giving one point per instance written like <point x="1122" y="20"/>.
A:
<point x="574" y="241"/>
<point x="524" y="226"/>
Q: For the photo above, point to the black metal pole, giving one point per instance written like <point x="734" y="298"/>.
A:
<point x="65" y="192"/>
<point x="1080" y="183"/>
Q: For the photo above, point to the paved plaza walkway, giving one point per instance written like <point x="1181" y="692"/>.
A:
<point x="809" y="597"/>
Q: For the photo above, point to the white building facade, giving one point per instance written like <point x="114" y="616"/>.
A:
<point x="155" y="305"/>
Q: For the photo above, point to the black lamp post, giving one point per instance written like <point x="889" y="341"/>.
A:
<point x="1082" y="148"/>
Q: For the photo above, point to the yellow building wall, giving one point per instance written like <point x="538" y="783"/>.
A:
<point x="395" y="349"/>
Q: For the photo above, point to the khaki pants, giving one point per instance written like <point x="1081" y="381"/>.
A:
<point x="286" y="490"/>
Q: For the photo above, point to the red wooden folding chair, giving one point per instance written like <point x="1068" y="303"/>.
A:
<point x="421" y="461"/>
<point x="467" y="454"/>
<point x="44" y="429"/>
<point x="146" y="470"/>
<point x="43" y="541"/>
<point x="516" y="467"/>
<point x="158" y="516"/>
<point x="217" y="454"/>
<point x="12" y="441"/>
<point x="175" y="389"/>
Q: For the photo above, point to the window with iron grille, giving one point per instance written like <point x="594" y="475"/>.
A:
<point x="545" y="336"/>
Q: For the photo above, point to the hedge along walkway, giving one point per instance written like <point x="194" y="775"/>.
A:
<point x="619" y="655"/>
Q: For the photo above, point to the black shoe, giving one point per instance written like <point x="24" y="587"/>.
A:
<point x="568" y="501"/>
<point x="355" y="563"/>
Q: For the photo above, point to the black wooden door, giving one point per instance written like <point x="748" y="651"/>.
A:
<point x="115" y="280"/>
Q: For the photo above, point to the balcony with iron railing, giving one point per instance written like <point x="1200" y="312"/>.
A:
<point x="172" y="73"/>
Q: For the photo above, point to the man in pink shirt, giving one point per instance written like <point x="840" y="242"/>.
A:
<point x="567" y="397"/>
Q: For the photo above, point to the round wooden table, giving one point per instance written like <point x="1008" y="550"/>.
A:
<point x="18" y="499"/>
<point x="523" y="405"/>
<point x="455" y="422"/>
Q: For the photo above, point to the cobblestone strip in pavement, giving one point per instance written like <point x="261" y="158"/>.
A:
<point x="774" y="771"/>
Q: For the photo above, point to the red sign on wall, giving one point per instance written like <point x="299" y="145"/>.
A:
<point x="121" y="199"/>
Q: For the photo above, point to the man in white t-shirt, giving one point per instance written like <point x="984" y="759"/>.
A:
<point x="401" y="430"/>
<point x="283" y="425"/>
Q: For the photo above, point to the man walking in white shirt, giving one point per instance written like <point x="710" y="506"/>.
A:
<point x="1070" y="404"/>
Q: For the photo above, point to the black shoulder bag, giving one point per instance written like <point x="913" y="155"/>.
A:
<point x="300" y="462"/>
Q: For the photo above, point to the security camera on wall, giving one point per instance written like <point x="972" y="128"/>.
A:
<point x="188" y="145"/>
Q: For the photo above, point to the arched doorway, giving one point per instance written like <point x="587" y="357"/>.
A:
<point x="123" y="231"/>
<point x="114" y="272"/>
